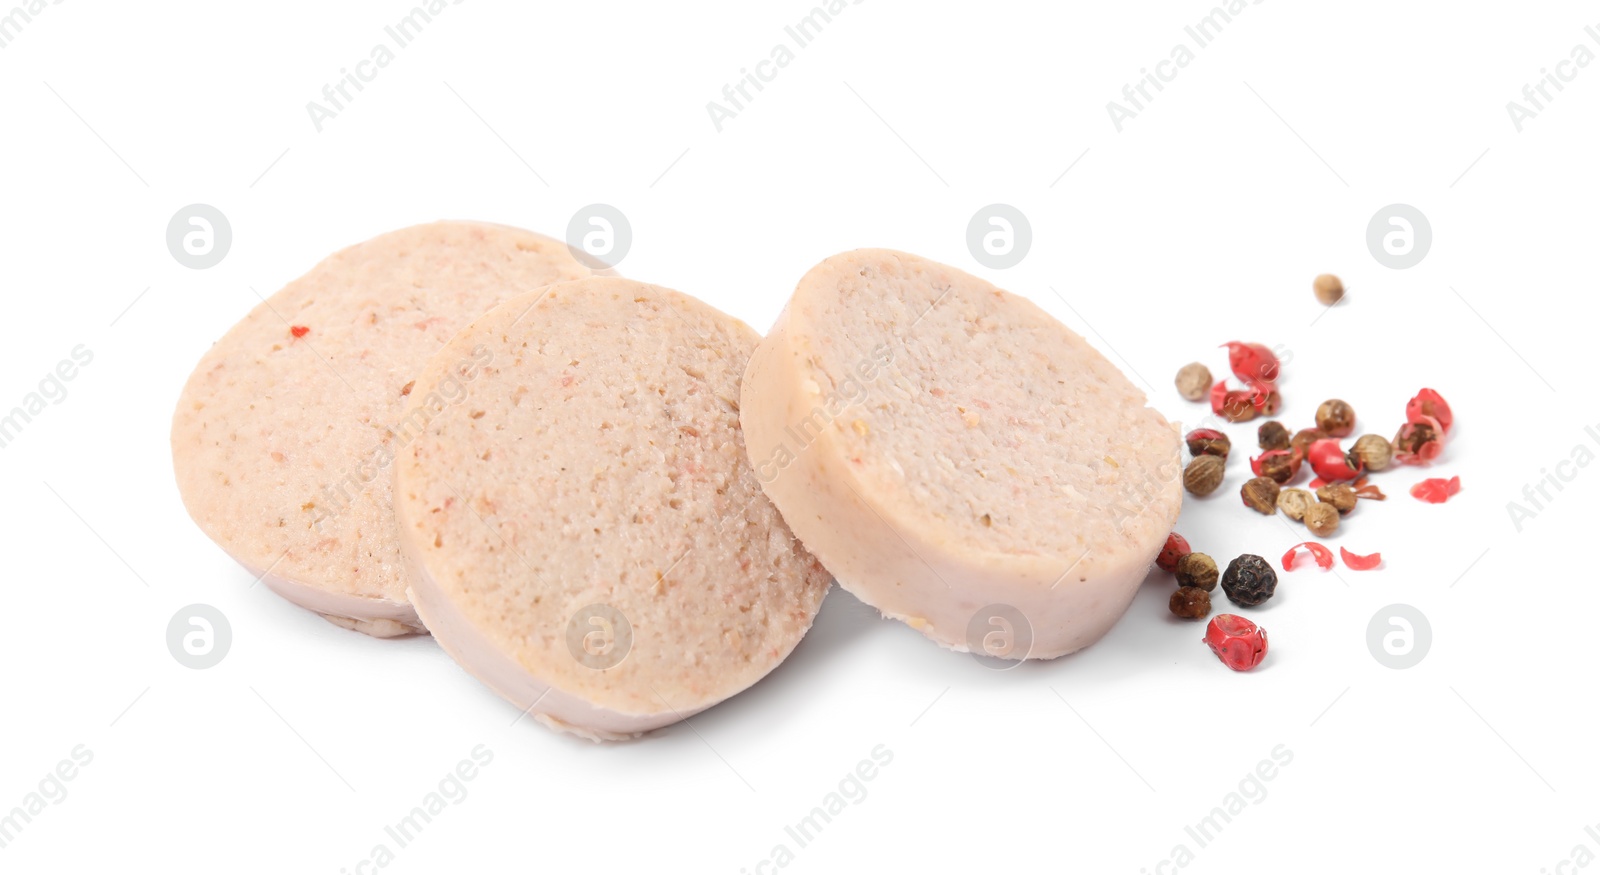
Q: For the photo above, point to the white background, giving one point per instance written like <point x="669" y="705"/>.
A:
<point x="1203" y="221"/>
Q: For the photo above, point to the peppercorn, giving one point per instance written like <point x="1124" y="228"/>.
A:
<point x="1331" y="462"/>
<point x="1280" y="465"/>
<point x="1176" y="548"/>
<point x="1193" y="381"/>
<point x="1249" y="580"/>
<point x="1203" y="475"/>
<point x="1336" y="418"/>
<point x="1272" y="435"/>
<point x="1340" y="495"/>
<point x="1268" y="405"/>
<point x="1197" y="570"/>
<point x="1294" y="502"/>
<point x="1190" y="603"/>
<point x="1208" y="442"/>
<point x="1329" y="289"/>
<point x="1304" y="438"/>
<point x="1374" y="451"/>
<point x="1239" y="643"/>
<point x="1260" y="494"/>
<point x="1238" y="406"/>
<point x="1417" y="442"/>
<point x="1322" y="519"/>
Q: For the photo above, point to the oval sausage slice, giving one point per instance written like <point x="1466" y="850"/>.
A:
<point x="585" y="532"/>
<point x="283" y="437"/>
<point x="958" y="458"/>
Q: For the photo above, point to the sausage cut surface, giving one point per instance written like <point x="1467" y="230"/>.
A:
<point x="585" y="532"/>
<point x="283" y="438"/>
<point x="954" y="455"/>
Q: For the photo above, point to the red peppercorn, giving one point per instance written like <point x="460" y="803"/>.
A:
<point x="1330" y="462"/>
<point x="1430" y="404"/>
<point x="1280" y="465"/>
<point x="1176" y="548"/>
<point x="1419" y="441"/>
<point x="1239" y="643"/>
<point x="1253" y="363"/>
<point x="299" y="330"/>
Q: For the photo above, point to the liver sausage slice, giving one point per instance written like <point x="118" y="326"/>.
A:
<point x="584" y="530"/>
<point x="958" y="458"/>
<point x="283" y="436"/>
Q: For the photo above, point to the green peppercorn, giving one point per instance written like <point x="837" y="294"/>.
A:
<point x="1197" y="570"/>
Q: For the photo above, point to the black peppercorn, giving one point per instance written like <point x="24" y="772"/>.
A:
<point x="1249" y="580"/>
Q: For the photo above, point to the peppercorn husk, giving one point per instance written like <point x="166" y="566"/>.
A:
<point x="1273" y="435"/>
<point x="1203" y="475"/>
<point x="1208" y="442"/>
<point x="1294" y="502"/>
<point x="1197" y="570"/>
<point x="1261" y="495"/>
<point x="1328" y="288"/>
<point x="1249" y="580"/>
<point x="1193" y="381"/>
<point x="1336" y="418"/>
<point x="1322" y="519"/>
<point x="1190" y="603"/>
<point x="1340" y="495"/>
<point x="1373" y="450"/>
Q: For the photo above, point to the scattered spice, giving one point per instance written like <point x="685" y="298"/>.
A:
<point x="1360" y="563"/>
<point x="1190" y="603"/>
<point x="1304" y="438"/>
<point x="1239" y="643"/>
<point x="1203" y="475"/>
<point x="1431" y="405"/>
<point x="1419" y="443"/>
<point x="406" y="389"/>
<point x="1294" y="502"/>
<point x="1436" y="490"/>
<point x="1322" y="519"/>
<point x="1176" y="548"/>
<point x="1280" y="465"/>
<point x="1328" y="288"/>
<point x="1369" y="490"/>
<point x="1193" y="380"/>
<point x="1336" y="418"/>
<point x="1249" y="580"/>
<point x="1273" y="435"/>
<point x="1341" y="495"/>
<point x="1330" y="462"/>
<point x="299" y="330"/>
<point x="1261" y="495"/>
<point x="1197" y="570"/>
<point x="1232" y="405"/>
<point x="1208" y="442"/>
<point x="1321" y="554"/>
<point x="1267" y="404"/>
<point x="1253" y="363"/>
<point x="1371" y="451"/>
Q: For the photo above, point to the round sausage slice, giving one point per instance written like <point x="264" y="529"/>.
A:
<point x="284" y="433"/>
<point x="585" y="532"/>
<point x="958" y="458"/>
